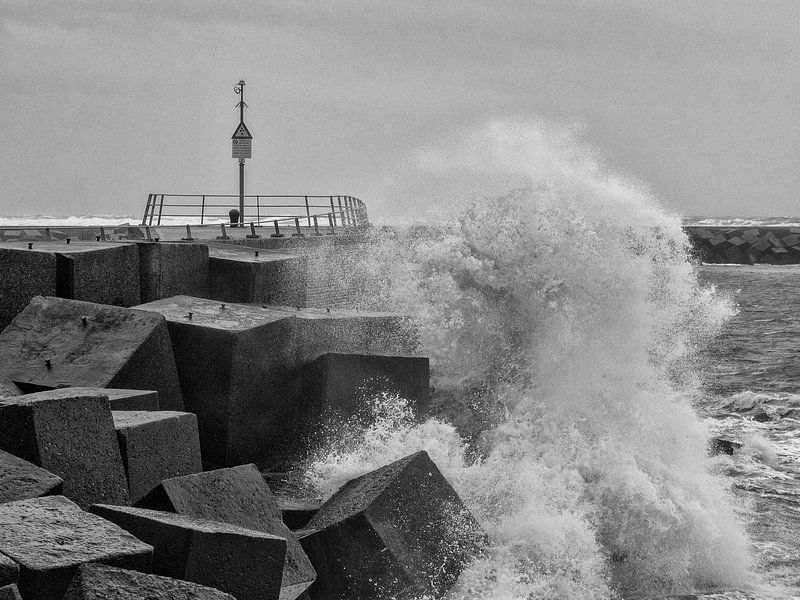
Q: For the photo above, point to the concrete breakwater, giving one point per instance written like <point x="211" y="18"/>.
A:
<point x="140" y="385"/>
<point x="746" y="245"/>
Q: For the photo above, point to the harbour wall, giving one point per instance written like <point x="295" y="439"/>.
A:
<point x="745" y="245"/>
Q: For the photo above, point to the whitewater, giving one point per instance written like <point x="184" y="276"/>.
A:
<point x="566" y="327"/>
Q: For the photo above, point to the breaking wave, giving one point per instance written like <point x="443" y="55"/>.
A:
<point x="562" y="321"/>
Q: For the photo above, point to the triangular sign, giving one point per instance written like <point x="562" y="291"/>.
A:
<point x="241" y="133"/>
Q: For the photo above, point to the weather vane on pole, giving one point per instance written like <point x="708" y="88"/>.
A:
<point x="242" y="143"/>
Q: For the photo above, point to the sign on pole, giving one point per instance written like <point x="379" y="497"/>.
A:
<point x="242" y="142"/>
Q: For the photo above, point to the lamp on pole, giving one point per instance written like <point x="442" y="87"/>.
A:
<point x="242" y="143"/>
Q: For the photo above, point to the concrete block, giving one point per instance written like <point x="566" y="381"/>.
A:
<point x="400" y="531"/>
<point x="25" y="273"/>
<point x="170" y="269"/>
<point x="242" y="562"/>
<point x="338" y="330"/>
<point x="70" y="435"/>
<point x="10" y="592"/>
<point x="239" y="496"/>
<point x="20" y="480"/>
<point x="9" y="570"/>
<point x="340" y="389"/>
<point x="50" y="537"/>
<point x="118" y="399"/>
<point x="237" y="369"/>
<point x="101" y="582"/>
<point x="297" y="513"/>
<point x="241" y="274"/>
<point x="8" y="388"/>
<point x="156" y="445"/>
<point x="57" y="343"/>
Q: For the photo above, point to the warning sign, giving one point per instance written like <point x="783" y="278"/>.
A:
<point x="241" y="132"/>
<point x="242" y="147"/>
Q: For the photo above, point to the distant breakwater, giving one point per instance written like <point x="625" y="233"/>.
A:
<point x="746" y="245"/>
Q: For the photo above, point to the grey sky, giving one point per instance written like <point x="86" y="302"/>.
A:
<point x="104" y="102"/>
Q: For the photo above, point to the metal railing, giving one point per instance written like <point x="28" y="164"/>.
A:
<point x="261" y="210"/>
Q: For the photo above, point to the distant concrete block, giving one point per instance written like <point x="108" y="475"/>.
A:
<point x="400" y="531"/>
<point x="241" y="274"/>
<point x="25" y="274"/>
<point x="10" y="592"/>
<point x="156" y="445"/>
<point x="50" y="537"/>
<point x="171" y="269"/>
<point x="118" y="399"/>
<point x="21" y="480"/>
<point x="239" y="496"/>
<point x="9" y="570"/>
<point x="242" y="562"/>
<point x="237" y="368"/>
<point x="101" y="582"/>
<point x="57" y="343"/>
<point x="73" y="437"/>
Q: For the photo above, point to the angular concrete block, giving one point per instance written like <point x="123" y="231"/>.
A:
<point x="96" y="271"/>
<point x="57" y="343"/>
<point x="132" y="399"/>
<point x="347" y="331"/>
<point x="50" y="537"/>
<point x="241" y="274"/>
<point x="341" y="389"/>
<point x="8" y="388"/>
<point x="10" y="592"/>
<point x="398" y="531"/>
<point x="9" y="570"/>
<point x="70" y="435"/>
<point x="156" y="445"/>
<point x="25" y="274"/>
<point x="170" y="269"/>
<point x="242" y="562"/>
<point x="239" y="496"/>
<point x="236" y="367"/>
<point x="101" y="582"/>
<point x="20" y="480"/>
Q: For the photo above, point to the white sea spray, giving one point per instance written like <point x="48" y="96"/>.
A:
<point x="562" y="321"/>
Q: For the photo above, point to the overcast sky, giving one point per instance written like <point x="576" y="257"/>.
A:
<point x="105" y="102"/>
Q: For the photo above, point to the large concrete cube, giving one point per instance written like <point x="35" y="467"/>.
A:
<point x="238" y="375"/>
<point x="241" y="274"/>
<point x="50" y="537"/>
<point x="56" y="343"/>
<point x="170" y="269"/>
<point x="123" y="399"/>
<point x="101" y="582"/>
<point x="156" y="445"/>
<point x="24" y="274"/>
<point x="70" y="435"/>
<point x="21" y="480"/>
<point x="242" y="562"/>
<point x="239" y="496"/>
<point x="400" y="531"/>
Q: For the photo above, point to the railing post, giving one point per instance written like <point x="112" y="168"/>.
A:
<point x="308" y="212"/>
<point x="258" y="211"/>
<point x="331" y="224"/>
<point x="316" y="227"/>
<point x="297" y="232"/>
<point x="252" y="235"/>
<point x="333" y="208"/>
<point x="224" y="235"/>
<point x="202" y="210"/>
<point x="277" y="233"/>
<point x="147" y="208"/>
<point x="188" y="237"/>
<point x="160" y="210"/>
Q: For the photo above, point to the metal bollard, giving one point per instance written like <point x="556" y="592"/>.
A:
<point x="68" y="240"/>
<point x="277" y="233"/>
<point x="188" y="237"/>
<point x="224" y="235"/>
<point x="252" y="235"/>
<point x="331" y="224"/>
<point x="297" y="233"/>
<point x="103" y="233"/>
<point x="47" y="235"/>
<point x="316" y="227"/>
